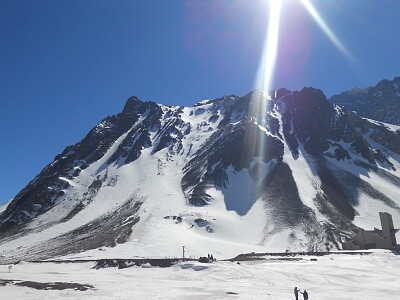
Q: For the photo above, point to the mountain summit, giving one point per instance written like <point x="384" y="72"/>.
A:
<point x="261" y="172"/>
<point x="380" y="103"/>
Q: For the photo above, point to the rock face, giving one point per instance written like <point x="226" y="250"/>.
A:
<point x="247" y="170"/>
<point x="381" y="102"/>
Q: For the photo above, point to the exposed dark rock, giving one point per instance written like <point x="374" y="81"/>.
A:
<point x="333" y="192"/>
<point x="48" y="285"/>
<point x="177" y="219"/>
<point x="280" y="193"/>
<point x="201" y="222"/>
<point x="127" y="263"/>
<point x="381" y="102"/>
<point x="341" y="153"/>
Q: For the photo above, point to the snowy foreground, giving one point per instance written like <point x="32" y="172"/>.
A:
<point x="333" y="277"/>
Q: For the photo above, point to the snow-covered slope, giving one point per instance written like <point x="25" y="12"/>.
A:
<point x="262" y="172"/>
<point x="3" y="207"/>
<point x="333" y="277"/>
<point x="381" y="102"/>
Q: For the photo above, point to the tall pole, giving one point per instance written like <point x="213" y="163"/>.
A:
<point x="183" y="252"/>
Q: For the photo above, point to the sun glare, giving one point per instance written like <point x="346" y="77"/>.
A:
<point x="265" y="76"/>
<point x="268" y="61"/>
<point x="330" y="34"/>
<point x="267" y="66"/>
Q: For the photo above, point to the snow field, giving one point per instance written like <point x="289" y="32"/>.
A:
<point x="333" y="277"/>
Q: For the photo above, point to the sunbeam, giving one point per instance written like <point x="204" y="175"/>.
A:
<point x="264" y="82"/>
<point x="330" y="34"/>
<point x="268" y="61"/>
<point x="267" y="71"/>
<point x="267" y="66"/>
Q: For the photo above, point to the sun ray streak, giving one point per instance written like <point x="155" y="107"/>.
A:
<point x="264" y="83"/>
<point x="331" y="35"/>
<point x="265" y="77"/>
<point x="271" y="48"/>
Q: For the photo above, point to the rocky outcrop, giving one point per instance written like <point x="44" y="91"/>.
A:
<point x="381" y="102"/>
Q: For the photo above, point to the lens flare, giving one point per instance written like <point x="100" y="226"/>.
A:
<point x="329" y="33"/>
<point x="265" y="75"/>
<point x="257" y="137"/>
<point x="268" y="62"/>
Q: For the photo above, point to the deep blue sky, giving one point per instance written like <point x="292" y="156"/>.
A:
<point x="65" y="65"/>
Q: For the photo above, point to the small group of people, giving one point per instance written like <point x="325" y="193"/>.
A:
<point x="297" y="291"/>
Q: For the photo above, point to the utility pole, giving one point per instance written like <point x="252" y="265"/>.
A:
<point x="183" y="252"/>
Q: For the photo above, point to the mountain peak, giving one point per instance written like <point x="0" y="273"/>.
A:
<point x="293" y="167"/>
<point x="381" y="102"/>
<point x="131" y="105"/>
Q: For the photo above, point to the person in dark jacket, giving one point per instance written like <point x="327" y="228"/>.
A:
<point x="305" y="295"/>
<point x="296" y="293"/>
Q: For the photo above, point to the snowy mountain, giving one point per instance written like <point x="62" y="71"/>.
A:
<point x="262" y="172"/>
<point x="381" y="102"/>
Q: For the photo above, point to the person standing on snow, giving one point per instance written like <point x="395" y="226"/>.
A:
<point x="296" y="293"/>
<point x="305" y="295"/>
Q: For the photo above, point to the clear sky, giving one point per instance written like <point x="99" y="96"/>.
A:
<point x="67" y="64"/>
